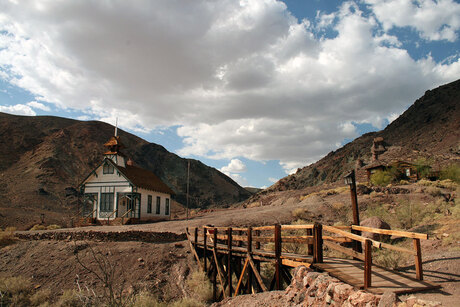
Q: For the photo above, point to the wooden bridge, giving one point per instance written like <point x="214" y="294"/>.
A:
<point x="232" y="256"/>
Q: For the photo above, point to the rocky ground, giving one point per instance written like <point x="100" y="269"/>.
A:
<point x="161" y="263"/>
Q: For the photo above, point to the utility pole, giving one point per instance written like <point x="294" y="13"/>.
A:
<point x="188" y="183"/>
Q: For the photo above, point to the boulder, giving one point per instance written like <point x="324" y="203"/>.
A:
<point x="375" y="222"/>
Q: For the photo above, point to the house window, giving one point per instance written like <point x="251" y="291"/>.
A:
<point x="167" y="206"/>
<point x="158" y="205"/>
<point x="106" y="202"/>
<point x="108" y="168"/>
<point x="149" y="204"/>
<point x="408" y="172"/>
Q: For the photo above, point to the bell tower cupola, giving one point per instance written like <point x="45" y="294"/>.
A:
<point x="114" y="147"/>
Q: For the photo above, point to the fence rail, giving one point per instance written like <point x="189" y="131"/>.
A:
<point x="266" y="244"/>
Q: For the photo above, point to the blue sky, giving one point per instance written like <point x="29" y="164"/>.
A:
<point x="254" y="88"/>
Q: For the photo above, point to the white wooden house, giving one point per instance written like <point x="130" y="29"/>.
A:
<point x="118" y="189"/>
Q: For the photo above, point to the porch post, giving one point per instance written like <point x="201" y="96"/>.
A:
<point x="115" y="206"/>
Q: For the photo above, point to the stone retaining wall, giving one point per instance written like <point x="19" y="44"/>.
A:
<point x="131" y="235"/>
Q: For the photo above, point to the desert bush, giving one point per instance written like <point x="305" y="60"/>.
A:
<point x="7" y="236"/>
<point x="447" y="184"/>
<point x="38" y="227"/>
<point x="15" y="291"/>
<point x="342" y="212"/>
<point x="187" y="302"/>
<point x="146" y="299"/>
<point x="389" y="259"/>
<point x="382" y="178"/>
<point x="53" y="226"/>
<point x="40" y="297"/>
<point x="423" y="167"/>
<point x="302" y="214"/>
<point x="410" y="214"/>
<point x="425" y="182"/>
<point x="70" y="298"/>
<point x="435" y="192"/>
<point x="200" y="286"/>
<point x="451" y="172"/>
<point x="403" y="182"/>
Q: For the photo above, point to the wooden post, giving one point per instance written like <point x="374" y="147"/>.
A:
<point x="278" y="256"/>
<point x="205" y="249"/>
<point x="354" y="205"/>
<point x="258" y="242"/>
<point x="249" y="285"/>
<point x="229" y="261"/>
<point x="310" y="246"/>
<point x="214" y="273"/>
<point x="317" y="243"/>
<point x="418" y="259"/>
<point x="367" y="263"/>
<point x="196" y="237"/>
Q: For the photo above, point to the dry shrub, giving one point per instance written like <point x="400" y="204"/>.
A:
<point x="40" y="297"/>
<point x="146" y="299"/>
<point x="187" y="302"/>
<point x="200" y="286"/>
<point x="70" y="298"/>
<point x="389" y="259"/>
<point x="342" y="212"/>
<point x="403" y="182"/>
<point x="38" y="227"/>
<point x="302" y="214"/>
<point x="7" y="236"/>
<point x="253" y="204"/>
<point x="447" y="184"/>
<point x="425" y="182"/>
<point x="15" y="291"/>
<point x="53" y="226"/>
<point x="435" y="192"/>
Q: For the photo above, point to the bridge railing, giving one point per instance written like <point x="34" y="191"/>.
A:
<point x="273" y="244"/>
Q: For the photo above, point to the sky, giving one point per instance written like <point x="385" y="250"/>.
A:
<point x="254" y="88"/>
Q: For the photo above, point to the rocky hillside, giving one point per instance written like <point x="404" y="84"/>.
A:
<point x="430" y="128"/>
<point x="43" y="159"/>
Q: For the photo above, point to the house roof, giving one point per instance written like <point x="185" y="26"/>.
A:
<point x="376" y="164"/>
<point x="143" y="178"/>
<point x="137" y="176"/>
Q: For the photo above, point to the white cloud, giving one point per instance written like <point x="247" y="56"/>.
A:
<point x="18" y="109"/>
<point x="272" y="180"/>
<point x="38" y="105"/>
<point x="435" y="20"/>
<point x="235" y="166"/>
<point x="239" y="78"/>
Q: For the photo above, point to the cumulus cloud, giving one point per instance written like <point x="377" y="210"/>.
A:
<point x="235" y="166"/>
<point x="18" y="109"/>
<point x="38" y="105"/>
<point x="434" y="20"/>
<point x="239" y="78"/>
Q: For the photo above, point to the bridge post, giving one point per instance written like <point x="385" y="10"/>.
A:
<point x="205" y="249"/>
<point x="196" y="237"/>
<point x="418" y="259"/>
<point x="249" y="285"/>
<point x="317" y="243"/>
<point x="278" y="256"/>
<point x="310" y="246"/>
<point x="214" y="272"/>
<point x="367" y="263"/>
<point x="229" y="261"/>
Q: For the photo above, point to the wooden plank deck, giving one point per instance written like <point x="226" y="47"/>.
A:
<point x="346" y="270"/>
<point x="351" y="272"/>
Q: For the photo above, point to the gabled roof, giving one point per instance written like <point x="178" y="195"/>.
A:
<point x="114" y="141"/>
<point x="143" y="178"/>
<point x="138" y="177"/>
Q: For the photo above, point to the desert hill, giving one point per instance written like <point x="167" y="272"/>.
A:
<point x="44" y="158"/>
<point x="429" y="129"/>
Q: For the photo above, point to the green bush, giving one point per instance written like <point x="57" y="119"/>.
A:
<point x="382" y="178"/>
<point x="38" y="227"/>
<point x="451" y="172"/>
<point x="423" y="167"/>
<point x="200" y="286"/>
